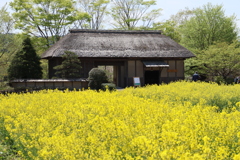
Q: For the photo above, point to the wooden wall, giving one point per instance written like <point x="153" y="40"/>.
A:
<point x="36" y="84"/>
<point x="126" y="69"/>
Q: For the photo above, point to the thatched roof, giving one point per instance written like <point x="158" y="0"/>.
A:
<point x="115" y="43"/>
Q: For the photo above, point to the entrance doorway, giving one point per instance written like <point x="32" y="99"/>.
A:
<point x="109" y="70"/>
<point x="151" y="77"/>
<point x="115" y="74"/>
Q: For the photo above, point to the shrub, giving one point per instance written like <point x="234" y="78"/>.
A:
<point x="96" y="78"/>
<point x="109" y="86"/>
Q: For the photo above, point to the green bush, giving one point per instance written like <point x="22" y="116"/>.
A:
<point x="96" y="78"/>
<point x="220" y="80"/>
<point x="109" y="86"/>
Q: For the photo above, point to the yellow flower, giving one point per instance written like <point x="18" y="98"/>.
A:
<point x="181" y="120"/>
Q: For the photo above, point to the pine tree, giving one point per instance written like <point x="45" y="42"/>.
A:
<point x="70" y="66"/>
<point x="26" y="63"/>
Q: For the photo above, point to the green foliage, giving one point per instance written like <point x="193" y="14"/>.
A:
<point x="96" y="78"/>
<point x="6" y="20"/>
<point x="26" y="63"/>
<point x="109" y="72"/>
<point x="169" y="28"/>
<point x="7" y="149"/>
<point x="44" y="65"/>
<point x="199" y="29"/>
<point x="9" y="43"/>
<point x="4" y="86"/>
<point x="70" y="66"/>
<point x="95" y="10"/>
<point x="149" y="17"/>
<point x="108" y="86"/>
<point x="39" y="43"/>
<point x="221" y="60"/>
<point x="192" y="65"/>
<point x="48" y="19"/>
<point x="206" y="26"/>
<point x="182" y="16"/>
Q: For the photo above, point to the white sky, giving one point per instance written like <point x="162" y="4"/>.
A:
<point x="171" y="7"/>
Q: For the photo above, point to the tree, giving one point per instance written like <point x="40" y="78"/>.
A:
<point x="6" y="21"/>
<point x="96" y="10"/>
<point x="169" y="28"/>
<point x="70" y="66"/>
<point x="44" y="18"/>
<point x="202" y="27"/>
<point x="26" y="63"/>
<point x="148" y="18"/>
<point x="221" y="59"/>
<point x="128" y="13"/>
<point x="9" y="43"/>
<point x="206" y="26"/>
<point x="182" y="16"/>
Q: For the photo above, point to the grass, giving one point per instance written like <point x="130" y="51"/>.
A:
<point x="7" y="153"/>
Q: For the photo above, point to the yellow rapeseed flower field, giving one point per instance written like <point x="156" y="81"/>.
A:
<point x="181" y="120"/>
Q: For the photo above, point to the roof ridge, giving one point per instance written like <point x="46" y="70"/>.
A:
<point x="116" y="31"/>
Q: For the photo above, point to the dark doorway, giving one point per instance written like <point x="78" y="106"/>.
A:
<point x="151" y="77"/>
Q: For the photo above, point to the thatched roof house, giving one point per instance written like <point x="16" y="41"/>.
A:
<point x="149" y="55"/>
